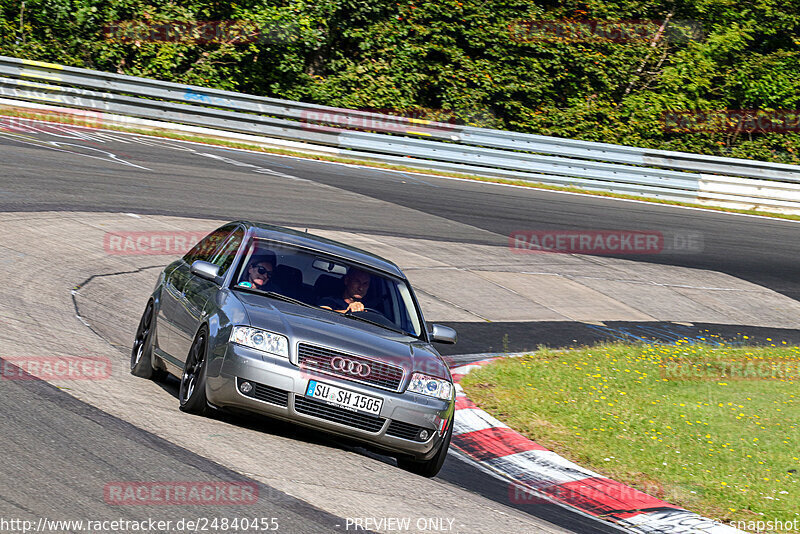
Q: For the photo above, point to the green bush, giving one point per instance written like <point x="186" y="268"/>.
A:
<point x="468" y="61"/>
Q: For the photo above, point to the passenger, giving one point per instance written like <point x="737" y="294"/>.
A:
<point x="260" y="272"/>
<point x="356" y="285"/>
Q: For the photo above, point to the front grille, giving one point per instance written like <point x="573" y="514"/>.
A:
<point x="399" y="429"/>
<point x="266" y="393"/>
<point x="382" y="375"/>
<point x="322" y="410"/>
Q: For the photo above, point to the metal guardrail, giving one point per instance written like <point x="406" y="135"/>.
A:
<point x="413" y="142"/>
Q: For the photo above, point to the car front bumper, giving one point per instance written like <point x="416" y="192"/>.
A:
<point x="280" y="388"/>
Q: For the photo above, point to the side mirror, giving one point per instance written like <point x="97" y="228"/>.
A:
<point x="443" y="334"/>
<point x="206" y="270"/>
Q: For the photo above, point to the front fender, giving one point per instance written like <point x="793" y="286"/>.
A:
<point x="155" y="297"/>
<point x="221" y="313"/>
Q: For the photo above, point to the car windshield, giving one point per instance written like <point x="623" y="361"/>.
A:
<point x="280" y="270"/>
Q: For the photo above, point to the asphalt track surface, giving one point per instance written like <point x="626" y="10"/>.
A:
<point x="47" y="471"/>
<point x="209" y="182"/>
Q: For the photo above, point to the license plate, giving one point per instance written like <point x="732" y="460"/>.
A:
<point x="344" y="398"/>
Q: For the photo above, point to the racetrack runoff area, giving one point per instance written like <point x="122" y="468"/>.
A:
<point x="456" y="283"/>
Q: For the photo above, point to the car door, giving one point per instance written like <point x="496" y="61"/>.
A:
<point x="170" y="293"/>
<point x="198" y="291"/>
<point x="172" y="310"/>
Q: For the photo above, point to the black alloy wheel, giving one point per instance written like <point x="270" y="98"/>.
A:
<point x="192" y="394"/>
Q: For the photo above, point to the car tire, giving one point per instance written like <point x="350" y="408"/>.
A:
<point x="429" y="468"/>
<point x="192" y="392"/>
<point x="142" y="351"/>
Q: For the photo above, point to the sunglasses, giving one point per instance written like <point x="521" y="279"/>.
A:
<point x="261" y="270"/>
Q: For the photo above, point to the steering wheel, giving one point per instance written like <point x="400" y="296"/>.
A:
<point x="370" y="310"/>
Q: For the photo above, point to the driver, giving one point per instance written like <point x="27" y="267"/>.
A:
<point x="356" y="285"/>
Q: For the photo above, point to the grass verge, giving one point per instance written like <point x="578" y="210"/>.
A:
<point x="68" y="119"/>
<point x="712" y="428"/>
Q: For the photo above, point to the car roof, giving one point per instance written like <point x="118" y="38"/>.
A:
<point x="323" y="245"/>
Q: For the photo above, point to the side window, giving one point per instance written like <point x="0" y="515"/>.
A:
<point x="205" y="248"/>
<point x="225" y="257"/>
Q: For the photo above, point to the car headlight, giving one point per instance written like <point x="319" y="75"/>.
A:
<point x="260" y="340"/>
<point x="433" y="387"/>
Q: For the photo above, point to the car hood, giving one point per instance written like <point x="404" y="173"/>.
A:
<point x="329" y="329"/>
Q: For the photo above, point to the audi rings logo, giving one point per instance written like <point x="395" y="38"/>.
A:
<point x="350" y="367"/>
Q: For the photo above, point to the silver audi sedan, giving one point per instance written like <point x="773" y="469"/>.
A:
<point x="302" y="328"/>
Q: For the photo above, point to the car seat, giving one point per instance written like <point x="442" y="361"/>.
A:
<point x="328" y="286"/>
